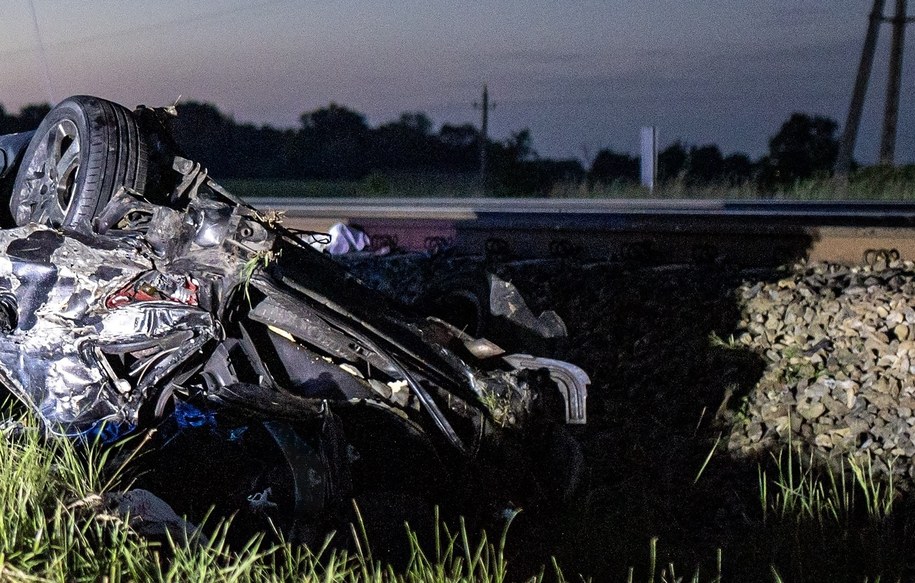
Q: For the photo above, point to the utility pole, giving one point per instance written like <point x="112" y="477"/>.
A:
<point x="893" y="85"/>
<point x="891" y="111"/>
<point x="484" y="106"/>
<point x="850" y="133"/>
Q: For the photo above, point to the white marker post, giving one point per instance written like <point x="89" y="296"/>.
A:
<point x="649" y="157"/>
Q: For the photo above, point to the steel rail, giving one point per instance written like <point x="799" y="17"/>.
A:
<point x="467" y="207"/>
<point x="750" y="231"/>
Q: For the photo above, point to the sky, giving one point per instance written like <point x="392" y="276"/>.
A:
<point x="581" y="75"/>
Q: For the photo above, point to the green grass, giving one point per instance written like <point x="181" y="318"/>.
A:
<point x="803" y="490"/>
<point x="50" y="532"/>
<point x="834" y="522"/>
<point x="668" y="573"/>
<point x="879" y="497"/>
<point x="867" y="184"/>
<point x="47" y="533"/>
<point x="373" y="186"/>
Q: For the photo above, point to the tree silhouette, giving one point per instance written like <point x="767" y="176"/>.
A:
<point x="7" y="122"/>
<point x="610" y="166"/>
<point x="519" y="147"/>
<point x="672" y="162"/>
<point x="406" y="144"/>
<point x="31" y="115"/>
<point x="458" y="148"/>
<point x="415" y="121"/>
<point x="334" y="143"/>
<point x="204" y="134"/>
<point x="28" y="119"/>
<point x="737" y="169"/>
<point x="705" y="165"/>
<point x="804" y="147"/>
<point x="517" y="170"/>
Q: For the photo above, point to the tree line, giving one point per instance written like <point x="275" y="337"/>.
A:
<point x="806" y="146"/>
<point x="337" y="143"/>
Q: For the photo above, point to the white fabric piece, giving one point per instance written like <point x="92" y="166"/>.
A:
<point x="343" y="239"/>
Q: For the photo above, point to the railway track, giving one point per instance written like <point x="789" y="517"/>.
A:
<point x="653" y="231"/>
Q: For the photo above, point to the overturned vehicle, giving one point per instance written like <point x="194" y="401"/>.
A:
<point x="136" y="292"/>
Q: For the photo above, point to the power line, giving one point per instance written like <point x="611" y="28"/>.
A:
<point x="133" y="30"/>
<point x="891" y="104"/>
<point x="42" y="53"/>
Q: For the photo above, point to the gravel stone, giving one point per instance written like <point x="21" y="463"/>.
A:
<point x="840" y="379"/>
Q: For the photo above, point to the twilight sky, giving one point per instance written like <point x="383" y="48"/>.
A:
<point x="582" y="75"/>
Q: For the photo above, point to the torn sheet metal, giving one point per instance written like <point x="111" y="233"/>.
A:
<point x="144" y="512"/>
<point x="188" y="310"/>
<point x="571" y="381"/>
<point x="505" y="300"/>
<point x="57" y="284"/>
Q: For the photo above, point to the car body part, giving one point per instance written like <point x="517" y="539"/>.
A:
<point x="12" y="147"/>
<point x="505" y="300"/>
<point x="572" y="382"/>
<point x="119" y="307"/>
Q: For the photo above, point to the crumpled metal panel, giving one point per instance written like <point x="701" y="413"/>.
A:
<point x="58" y="283"/>
<point x="82" y="300"/>
<point x="505" y="300"/>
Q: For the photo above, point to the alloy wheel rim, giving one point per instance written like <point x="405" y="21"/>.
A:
<point x="53" y="173"/>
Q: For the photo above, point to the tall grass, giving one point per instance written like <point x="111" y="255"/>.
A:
<point x="51" y="531"/>
<point x="865" y="185"/>
<point x="879" y="496"/>
<point x="373" y="186"/>
<point x="48" y="531"/>
<point x="668" y="573"/>
<point x="802" y="490"/>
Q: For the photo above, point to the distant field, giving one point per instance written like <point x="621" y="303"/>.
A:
<point x="820" y="189"/>
<point x="373" y="186"/>
<point x="873" y="183"/>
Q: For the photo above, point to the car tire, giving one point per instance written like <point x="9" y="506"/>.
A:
<point x="84" y="150"/>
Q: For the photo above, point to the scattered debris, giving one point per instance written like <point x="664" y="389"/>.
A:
<point x="144" y="512"/>
<point x="260" y="501"/>
<point x="505" y="300"/>
<point x="340" y="240"/>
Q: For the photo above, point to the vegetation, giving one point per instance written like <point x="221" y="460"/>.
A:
<point x="874" y="183"/>
<point x="803" y="491"/>
<point x="52" y="529"/>
<point x="334" y="152"/>
<point x="782" y="517"/>
<point x="47" y="533"/>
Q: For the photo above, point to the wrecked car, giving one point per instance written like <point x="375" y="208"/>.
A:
<point x="136" y="292"/>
